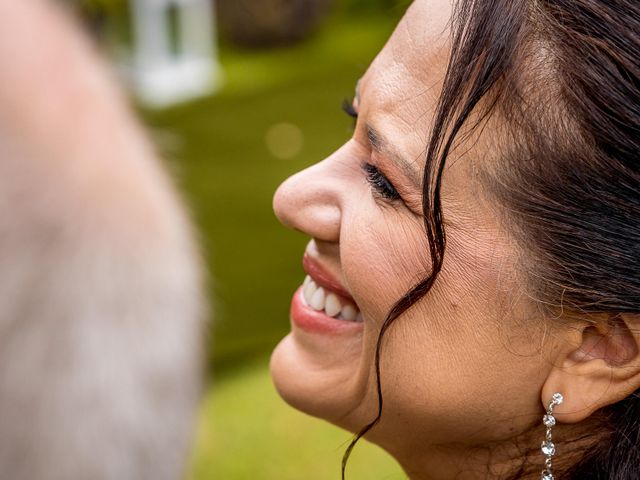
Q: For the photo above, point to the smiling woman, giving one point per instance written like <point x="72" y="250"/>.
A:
<point x="512" y="125"/>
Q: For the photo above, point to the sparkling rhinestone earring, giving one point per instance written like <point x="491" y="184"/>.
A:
<point x="548" y="448"/>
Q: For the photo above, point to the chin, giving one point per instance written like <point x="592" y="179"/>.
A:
<point x="313" y="387"/>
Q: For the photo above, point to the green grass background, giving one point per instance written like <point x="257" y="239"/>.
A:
<point x="216" y="150"/>
<point x="246" y="432"/>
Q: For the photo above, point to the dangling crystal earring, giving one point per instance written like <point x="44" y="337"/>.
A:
<point x="548" y="447"/>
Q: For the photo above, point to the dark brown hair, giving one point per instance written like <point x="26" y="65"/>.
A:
<point x="565" y="75"/>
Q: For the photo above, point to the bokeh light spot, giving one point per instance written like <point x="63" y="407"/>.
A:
<point x="284" y="140"/>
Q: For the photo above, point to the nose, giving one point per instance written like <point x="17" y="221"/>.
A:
<point x="311" y="201"/>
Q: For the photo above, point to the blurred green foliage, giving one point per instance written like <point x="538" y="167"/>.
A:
<point x="348" y="4"/>
<point x="115" y="9"/>
<point x="246" y="432"/>
<point x="359" y="6"/>
<point x="217" y="149"/>
<point x="109" y="19"/>
<point x="219" y="156"/>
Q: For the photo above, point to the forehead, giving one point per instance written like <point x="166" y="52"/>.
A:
<point x="406" y="77"/>
<point x="399" y="92"/>
<point x="399" y="95"/>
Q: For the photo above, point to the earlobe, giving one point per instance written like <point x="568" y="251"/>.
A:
<point x="604" y="369"/>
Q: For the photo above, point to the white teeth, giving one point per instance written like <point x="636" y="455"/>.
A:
<point x="349" y="313"/>
<point x="317" y="300"/>
<point x="332" y="305"/>
<point x="359" y="317"/>
<point x="308" y="291"/>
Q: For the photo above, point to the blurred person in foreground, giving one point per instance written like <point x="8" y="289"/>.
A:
<point x="472" y="302"/>
<point x="100" y="282"/>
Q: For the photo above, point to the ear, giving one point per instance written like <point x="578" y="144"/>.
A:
<point x="604" y="369"/>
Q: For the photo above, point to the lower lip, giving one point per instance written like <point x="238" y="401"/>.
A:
<point x="309" y="320"/>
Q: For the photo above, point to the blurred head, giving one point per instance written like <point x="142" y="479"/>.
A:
<point x="101" y="302"/>
<point x="512" y="131"/>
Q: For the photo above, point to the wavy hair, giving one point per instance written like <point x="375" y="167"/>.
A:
<point x="565" y="74"/>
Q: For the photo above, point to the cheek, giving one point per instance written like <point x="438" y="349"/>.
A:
<point x="384" y="253"/>
<point x="442" y="359"/>
<point x="448" y="377"/>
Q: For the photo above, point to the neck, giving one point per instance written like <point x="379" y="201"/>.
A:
<point x="504" y="461"/>
<point x="516" y="458"/>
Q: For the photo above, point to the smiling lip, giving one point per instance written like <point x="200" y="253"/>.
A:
<point x="323" y="278"/>
<point x="312" y="321"/>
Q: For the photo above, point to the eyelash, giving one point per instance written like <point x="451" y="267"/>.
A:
<point x="378" y="181"/>
<point x="348" y="108"/>
<point x="380" y="184"/>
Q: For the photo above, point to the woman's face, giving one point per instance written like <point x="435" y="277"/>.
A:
<point x="461" y="366"/>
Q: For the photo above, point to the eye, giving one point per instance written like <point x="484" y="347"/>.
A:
<point x="380" y="184"/>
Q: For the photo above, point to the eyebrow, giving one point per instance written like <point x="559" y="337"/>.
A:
<point x="381" y="146"/>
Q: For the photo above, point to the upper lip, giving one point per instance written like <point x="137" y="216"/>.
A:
<point x="323" y="278"/>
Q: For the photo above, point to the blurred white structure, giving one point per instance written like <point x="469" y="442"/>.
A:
<point x="174" y="53"/>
